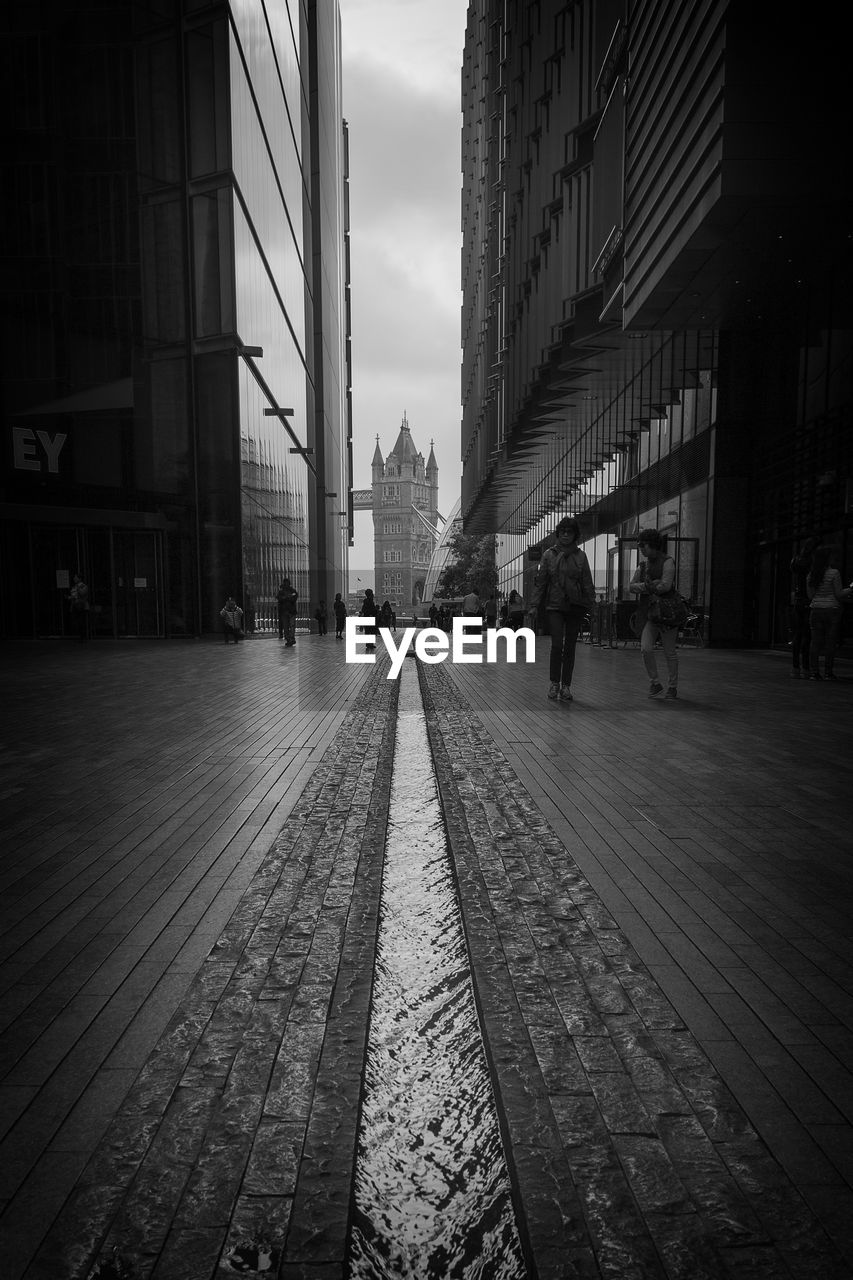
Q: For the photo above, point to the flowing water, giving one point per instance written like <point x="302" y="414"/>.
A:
<point x="432" y="1190"/>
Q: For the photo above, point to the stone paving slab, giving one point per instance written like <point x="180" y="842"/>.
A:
<point x="625" y="1141"/>
<point x="655" y="1009"/>
<point x="238" y="1137"/>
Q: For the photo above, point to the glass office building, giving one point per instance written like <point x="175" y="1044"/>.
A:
<point x="656" y="269"/>
<point x="176" y="265"/>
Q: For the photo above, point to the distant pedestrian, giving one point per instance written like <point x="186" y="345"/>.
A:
<point x="515" y="610"/>
<point x="248" y="615"/>
<point x="655" y="577"/>
<point x="471" y="607"/>
<point x="386" y="614"/>
<point x="232" y="620"/>
<point x="78" y="599"/>
<point x="433" y="615"/>
<point x="564" y="586"/>
<point x="490" y="611"/>
<point x="286" y="597"/>
<point x="799" y="617"/>
<point x="827" y="596"/>
<point x="340" y="616"/>
<point x="321" y="616"/>
<point x="370" y="609"/>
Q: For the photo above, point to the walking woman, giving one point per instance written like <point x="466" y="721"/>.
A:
<point x="655" y="577"/>
<point x="515" y="611"/>
<point x="564" y="585"/>
<point x="827" y="596"/>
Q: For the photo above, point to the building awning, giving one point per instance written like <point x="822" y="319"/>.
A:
<point x="108" y="395"/>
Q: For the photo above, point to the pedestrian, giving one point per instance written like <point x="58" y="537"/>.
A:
<point x="490" y="611"/>
<point x="471" y="608"/>
<point x="515" y="610"/>
<point x="799" y="617"/>
<point x="321" y="616"/>
<point x="232" y="620"/>
<point x="340" y="616"/>
<point x="287" y="596"/>
<point x="386" y="614"/>
<point x="655" y="577"/>
<point x="826" y="596"/>
<point x="433" y="615"/>
<point x="564" y="586"/>
<point x="370" y="609"/>
<point x="78" y="599"/>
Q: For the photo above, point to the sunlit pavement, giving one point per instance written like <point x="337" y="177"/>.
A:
<point x="656" y="898"/>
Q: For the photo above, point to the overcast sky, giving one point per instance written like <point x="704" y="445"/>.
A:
<point x="401" y="76"/>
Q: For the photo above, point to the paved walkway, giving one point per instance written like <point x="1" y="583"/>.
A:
<point x="657" y="904"/>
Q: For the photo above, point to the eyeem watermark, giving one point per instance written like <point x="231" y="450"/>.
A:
<point x="433" y="645"/>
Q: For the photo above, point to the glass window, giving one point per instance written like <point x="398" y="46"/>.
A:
<point x="207" y="88"/>
<point x="214" y="302"/>
<point x="164" y="271"/>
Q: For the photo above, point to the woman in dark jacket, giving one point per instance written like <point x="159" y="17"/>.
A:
<point x="564" y="584"/>
<point x="370" y="609"/>
<point x="655" y="576"/>
<point x="515" y="610"/>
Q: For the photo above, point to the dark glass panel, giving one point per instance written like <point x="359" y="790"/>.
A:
<point x="160" y="116"/>
<point x="207" y="82"/>
<point x="97" y="450"/>
<point x="214" y="305"/>
<point x="164" y="273"/>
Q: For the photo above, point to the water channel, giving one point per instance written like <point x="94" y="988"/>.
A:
<point x="432" y="1195"/>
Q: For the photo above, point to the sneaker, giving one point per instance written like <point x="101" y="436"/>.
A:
<point x="565" y="693"/>
<point x="655" y="688"/>
<point x="554" y="691"/>
<point x="671" y="693"/>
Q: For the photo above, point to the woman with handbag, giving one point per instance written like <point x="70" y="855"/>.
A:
<point x="658" y="610"/>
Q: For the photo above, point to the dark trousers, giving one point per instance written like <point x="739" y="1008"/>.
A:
<point x="81" y="622"/>
<point x="286" y="629"/>
<point x="234" y="632"/>
<point x="800" y="635"/>
<point x="564" y="628"/>
<point x="825" y="625"/>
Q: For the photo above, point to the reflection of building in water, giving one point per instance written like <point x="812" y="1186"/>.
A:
<point x="405" y="519"/>
<point x="442" y="554"/>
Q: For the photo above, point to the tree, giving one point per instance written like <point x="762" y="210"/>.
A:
<point x="472" y="568"/>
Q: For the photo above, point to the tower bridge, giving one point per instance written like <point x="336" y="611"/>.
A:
<point x="404" y="501"/>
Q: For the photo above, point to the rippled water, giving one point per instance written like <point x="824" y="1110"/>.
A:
<point x="432" y="1190"/>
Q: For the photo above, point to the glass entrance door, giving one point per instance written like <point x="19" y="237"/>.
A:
<point x="56" y="554"/>
<point x="121" y="567"/>
<point x="136" y="582"/>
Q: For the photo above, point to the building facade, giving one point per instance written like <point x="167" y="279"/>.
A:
<point x="175" y="357"/>
<point x="656" y="275"/>
<point x="405" y="516"/>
